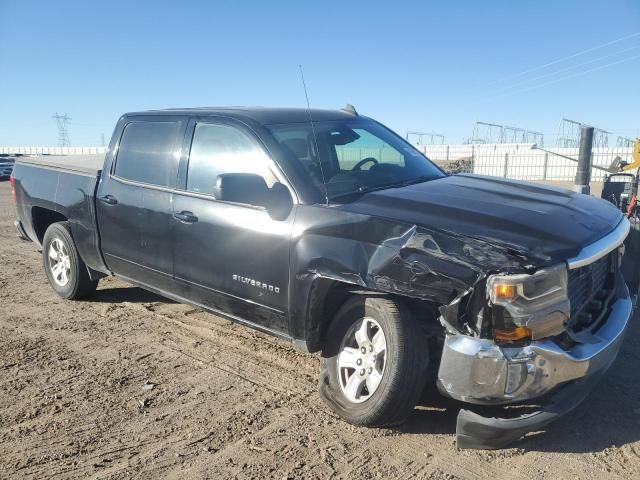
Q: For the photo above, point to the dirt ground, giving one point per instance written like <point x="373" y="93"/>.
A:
<point x="131" y="385"/>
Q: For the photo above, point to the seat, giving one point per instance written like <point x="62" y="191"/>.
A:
<point x="299" y="148"/>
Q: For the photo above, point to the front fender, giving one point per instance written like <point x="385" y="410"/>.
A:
<point x="381" y="255"/>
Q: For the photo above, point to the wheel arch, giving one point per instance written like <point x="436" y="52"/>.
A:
<point x="326" y="296"/>
<point x="42" y="218"/>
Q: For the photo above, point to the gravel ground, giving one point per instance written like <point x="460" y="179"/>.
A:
<point x="128" y="384"/>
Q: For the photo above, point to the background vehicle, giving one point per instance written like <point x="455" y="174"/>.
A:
<point x="621" y="189"/>
<point x="621" y="185"/>
<point x="342" y="238"/>
<point x="6" y="167"/>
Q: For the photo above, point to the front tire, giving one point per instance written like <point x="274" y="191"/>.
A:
<point x="67" y="273"/>
<point x="374" y="362"/>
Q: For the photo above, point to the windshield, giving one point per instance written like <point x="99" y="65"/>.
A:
<point x="357" y="156"/>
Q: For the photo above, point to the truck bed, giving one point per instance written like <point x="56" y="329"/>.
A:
<point x="84" y="164"/>
<point x="65" y="187"/>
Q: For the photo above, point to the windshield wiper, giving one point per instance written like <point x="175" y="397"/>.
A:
<point x="359" y="191"/>
<point x="373" y="188"/>
<point x="420" y="179"/>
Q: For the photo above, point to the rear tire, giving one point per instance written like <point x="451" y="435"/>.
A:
<point x="67" y="273"/>
<point x="362" y="382"/>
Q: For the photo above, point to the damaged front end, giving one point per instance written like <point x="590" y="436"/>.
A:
<point x="550" y="335"/>
<point x="521" y="323"/>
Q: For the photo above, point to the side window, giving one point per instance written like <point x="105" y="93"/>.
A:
<point x="147" y="152"/>
<point x="218" y="149"/>
<point x="367" y="146"/>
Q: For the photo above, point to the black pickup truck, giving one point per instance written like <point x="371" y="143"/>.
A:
<point x="327" y="229"/>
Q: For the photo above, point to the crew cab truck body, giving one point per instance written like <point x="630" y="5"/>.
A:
<point x="344" y="239"/>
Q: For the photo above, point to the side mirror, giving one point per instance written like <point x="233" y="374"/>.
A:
<point x="251" y="189"/>
<point x="241" y="188"/>
<point x="280" y="202"/>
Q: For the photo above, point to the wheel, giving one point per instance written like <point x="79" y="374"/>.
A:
<point x="66" y="272"/>
<point x="374" y="362"/>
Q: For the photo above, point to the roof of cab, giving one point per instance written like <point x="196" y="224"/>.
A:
<point x="262" y="115"/>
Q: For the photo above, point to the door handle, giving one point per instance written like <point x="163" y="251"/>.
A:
<point x="186" y="217"/>
<point x="109" y="200"/>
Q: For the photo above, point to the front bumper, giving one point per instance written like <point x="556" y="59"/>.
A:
<point x="478" y="371"/>
<point x="489" y="432"/>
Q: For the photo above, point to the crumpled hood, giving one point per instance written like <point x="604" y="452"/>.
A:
<point x="543" y="223"/>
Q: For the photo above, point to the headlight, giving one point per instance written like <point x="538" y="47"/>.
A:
<point x="529" y="306"/>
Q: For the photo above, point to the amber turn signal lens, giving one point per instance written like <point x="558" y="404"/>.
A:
<point x="504" y="292"/>
<point x="512" y="334"/>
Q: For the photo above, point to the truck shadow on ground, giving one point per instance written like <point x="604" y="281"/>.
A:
<point x="609" y="416"/>
<point x="127" y="294"/>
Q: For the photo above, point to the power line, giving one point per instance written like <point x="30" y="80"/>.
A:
<point x="86" y="124"/>
<point x="568" y="77"/>
<point x="572" y="67"/>
<point x="540" y="67"/>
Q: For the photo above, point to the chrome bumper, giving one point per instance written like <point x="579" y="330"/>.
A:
<point x="478" y="371"/>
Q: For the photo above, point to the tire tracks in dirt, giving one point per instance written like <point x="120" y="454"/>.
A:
<point x="229" y="402"/>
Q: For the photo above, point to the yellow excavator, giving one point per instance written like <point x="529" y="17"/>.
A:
<point x="635" y="164"/>
<point x="621" y="185"/>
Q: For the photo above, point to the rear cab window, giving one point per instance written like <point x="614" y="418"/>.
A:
<point x="149" y="152"/>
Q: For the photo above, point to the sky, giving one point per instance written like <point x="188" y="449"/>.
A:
<point x="414" y="66"/>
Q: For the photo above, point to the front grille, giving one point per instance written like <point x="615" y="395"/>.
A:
<point x="588" y="285"/>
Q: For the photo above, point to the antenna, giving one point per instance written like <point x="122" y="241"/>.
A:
<point x="315" y="139"/>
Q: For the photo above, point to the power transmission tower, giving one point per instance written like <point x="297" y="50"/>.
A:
<point x="623" y="142"/>
<point x="514" y="134"/>
<point x="63" y="131"/>
<point x="569" y="135"/>
<point x="484" y="132"/>
<point x="535" y="137"/>
<point x="433" y="138"/>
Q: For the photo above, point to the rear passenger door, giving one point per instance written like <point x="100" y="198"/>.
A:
<point x="229" y="256"/>
<point x="134" y="200"/>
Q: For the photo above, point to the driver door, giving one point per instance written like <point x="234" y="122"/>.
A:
<point x="230" y="257"/>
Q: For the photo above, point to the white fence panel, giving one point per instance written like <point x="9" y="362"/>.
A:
<point x="522" y="161"/>
<point x="52" y="150"/>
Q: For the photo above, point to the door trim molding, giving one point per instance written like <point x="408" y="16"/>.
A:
<point x="229" y="316"/>
<point x="230" y="295"/>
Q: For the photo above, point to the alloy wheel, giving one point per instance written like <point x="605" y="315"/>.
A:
<point x="361" y="360"/>
<point x="59" y="262"/>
